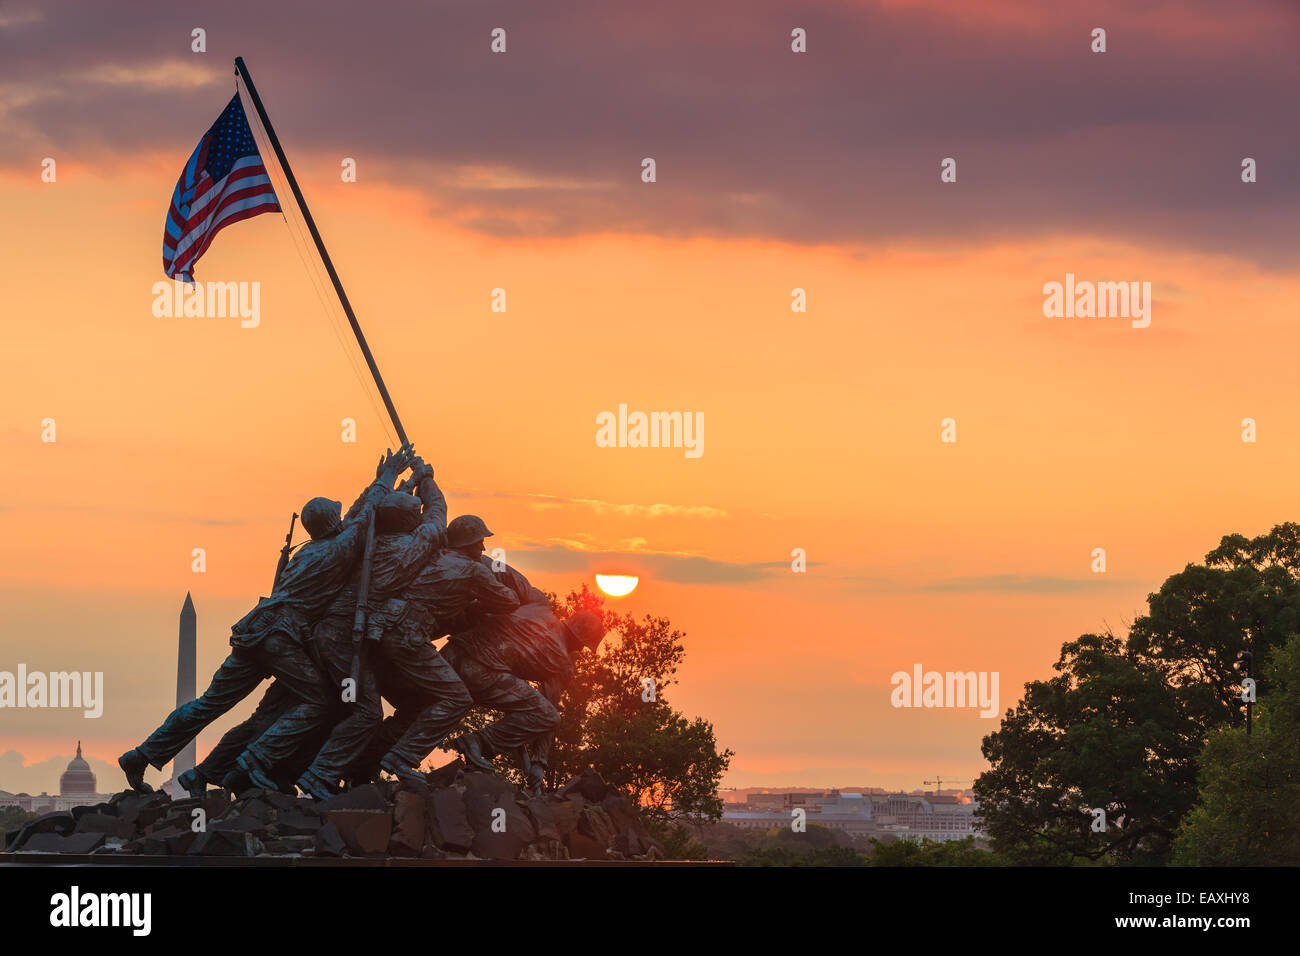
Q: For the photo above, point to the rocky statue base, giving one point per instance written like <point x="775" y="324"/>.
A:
<point x="459" y="816"/>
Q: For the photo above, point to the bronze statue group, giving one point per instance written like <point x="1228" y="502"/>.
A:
<point x="352" y="618"/>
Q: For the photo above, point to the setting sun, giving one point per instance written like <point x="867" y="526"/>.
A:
<point x="616" y="585"/>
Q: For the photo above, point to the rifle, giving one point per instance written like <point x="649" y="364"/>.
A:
<point x="284" y="554"/>
<point x="363" y="595"/>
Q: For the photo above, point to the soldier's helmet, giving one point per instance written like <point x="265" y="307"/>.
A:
<point x="586" y="628"/>
<point x="465" y="530"/>
<point x="397" y="512"/>
<point x="322" y="517"/>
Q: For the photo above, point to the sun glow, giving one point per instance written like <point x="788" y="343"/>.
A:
<point x="616" y="585"/>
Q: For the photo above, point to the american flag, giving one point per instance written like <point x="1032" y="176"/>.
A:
<point x="223" y="182"/>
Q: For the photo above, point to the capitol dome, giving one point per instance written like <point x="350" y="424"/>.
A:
<point x="78" y="778"/>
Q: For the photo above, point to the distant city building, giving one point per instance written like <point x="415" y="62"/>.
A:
<point x="785" y="801"/>
<point x="77" y="788"/>
<point x="78" y="779"/>
<point x="901" y="816"/>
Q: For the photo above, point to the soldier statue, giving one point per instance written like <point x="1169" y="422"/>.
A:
<point x="269" y="640"/>
<point x="497" y="658"/>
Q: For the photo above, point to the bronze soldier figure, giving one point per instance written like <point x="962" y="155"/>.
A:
<point x="268" y="640"/>
<point x="497" y="658"/>
<point x="408" y="536"/>
<point x="429" y="697"/>
<point x="219" y="767"/>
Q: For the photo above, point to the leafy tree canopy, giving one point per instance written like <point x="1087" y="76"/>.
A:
<point x="1122" y="726"/>
<point x="1248" y="810"/>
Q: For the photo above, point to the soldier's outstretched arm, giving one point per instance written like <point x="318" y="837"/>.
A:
<point x="431" y="533"/>
<point x="490" y="595"/>
<point x="513" y="579"/>
<point x="533" y="596"/>
<point x="390" y="466"/>
<point x="435" y="504"/>
<point x="434" y="511"/>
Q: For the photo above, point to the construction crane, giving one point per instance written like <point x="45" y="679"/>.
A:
<point x="937" y="782"/>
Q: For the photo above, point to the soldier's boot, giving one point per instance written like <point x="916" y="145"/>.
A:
<point x="193" y="783"/>
<point x="314" y="786"/>
<point x="257" y="774"/>
<point x="402" y="771"/>
<point x="236" y="781"/>
<point x="469" y="747"/>
<point x="363" y="770"/>
<point x="534" y="775"/>
<point x="367" y="774"/>
<point x="134" y="764"/>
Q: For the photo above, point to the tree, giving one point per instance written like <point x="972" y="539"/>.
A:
<point x="1106" y="734"/>
<point x="1248" y="809"/>
<point x="1122" y="726"/>
<point x="816" y="846"/>
<point x="1246" y="597"/>
<point x="13" y="819"/>
<point x="962" y="852"/>
<point x="615" y="719"/>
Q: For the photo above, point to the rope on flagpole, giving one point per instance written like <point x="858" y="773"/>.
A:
<point x="319" y="282"/>
<point x="391" y="408"/>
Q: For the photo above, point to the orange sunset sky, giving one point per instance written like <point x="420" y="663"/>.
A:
<point x="775" y="170"/>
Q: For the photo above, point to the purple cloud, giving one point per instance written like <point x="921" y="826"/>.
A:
<point x="842" y="144"/>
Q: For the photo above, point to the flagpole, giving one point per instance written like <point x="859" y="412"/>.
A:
<point x="242" y="71"/>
